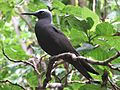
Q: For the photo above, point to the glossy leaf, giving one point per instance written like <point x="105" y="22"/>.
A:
<point x="104" y="29"/>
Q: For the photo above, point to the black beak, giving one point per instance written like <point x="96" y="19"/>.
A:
<point x="32" y="13"/>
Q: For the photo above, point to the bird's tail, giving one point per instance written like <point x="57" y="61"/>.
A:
<point x="87" y="66"/>
<point x="78" y="65"/>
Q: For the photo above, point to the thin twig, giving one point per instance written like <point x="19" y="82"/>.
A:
<point x="66" y="75"/>
<point x="41" y="58"/>
<point x="17" y="61"/>
<point x="113" y="67"/>
<point x="7" y="81"/>
<point x="56" y="86"/>
<point x="58" y="63"/>
<point x="35" y="67"/>
<point x="58" y="78"/>
<point x="70" y="82"/>
<point x="113" y="85"/>
<point x="117" y="4"/>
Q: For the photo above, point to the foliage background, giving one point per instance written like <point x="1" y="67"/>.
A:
<point x="93" y="27"/>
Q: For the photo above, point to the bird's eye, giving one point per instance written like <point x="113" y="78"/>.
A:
<point x="41" y="12"/>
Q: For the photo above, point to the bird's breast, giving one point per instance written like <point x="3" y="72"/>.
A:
<point x="47" y="39"/>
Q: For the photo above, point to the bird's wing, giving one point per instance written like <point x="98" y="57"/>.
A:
<point x="64" y="42"/>
<point x="57" y="31"/>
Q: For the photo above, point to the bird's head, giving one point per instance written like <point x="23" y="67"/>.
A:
<point x="40" y="14"/>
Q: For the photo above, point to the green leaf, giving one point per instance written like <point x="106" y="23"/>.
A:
<point x="116" y="19"/>
<point x="1" y="24"/>
<point x="114" y="42"/>
<point x="7" y="10"/>
<point x="118" y="83"/>
<point x="81" y="12"/>
<point x="72" y="10"/>
<point x="109" y="41"/>
<point x="36" y="5"/>
<point x="58" y="4"/>
<point x="92" y="87"/>
<point x="116" y="61"/>
<point x="32" y="79"/>
<point x="7" y="33"/>
<point x="77" y="37"/>
<point x="77" y="86"/>
<point x="4" y="73"/>
<point x="5" y="7"/>
<point x="104" y="29"/>
<point x="90" y="22"/>
<point x="73" y="86"/>
<point x="8" y="86"/>
<point x="15" y="52"/>
<point x="86" y="12"/>
<point x="78" y="24"/>
<point x="100" y="53"/>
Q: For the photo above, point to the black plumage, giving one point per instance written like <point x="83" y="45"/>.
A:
<point x="54" y="42"/>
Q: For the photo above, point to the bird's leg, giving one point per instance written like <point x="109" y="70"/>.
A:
<point x="48" y="74"/>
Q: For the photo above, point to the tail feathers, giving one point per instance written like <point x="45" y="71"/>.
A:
<point x="89" y="68"/>
<point x="81" y="69"/>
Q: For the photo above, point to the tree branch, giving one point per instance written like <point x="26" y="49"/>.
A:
<point x="113" y="67"/>
<point x="70" y="82"/>
<point x="56" y="86"/>
<point x="96" y="62"/>
<point x="67" y="57"/>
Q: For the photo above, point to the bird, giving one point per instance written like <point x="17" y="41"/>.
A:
<point x="54" y="41"/>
